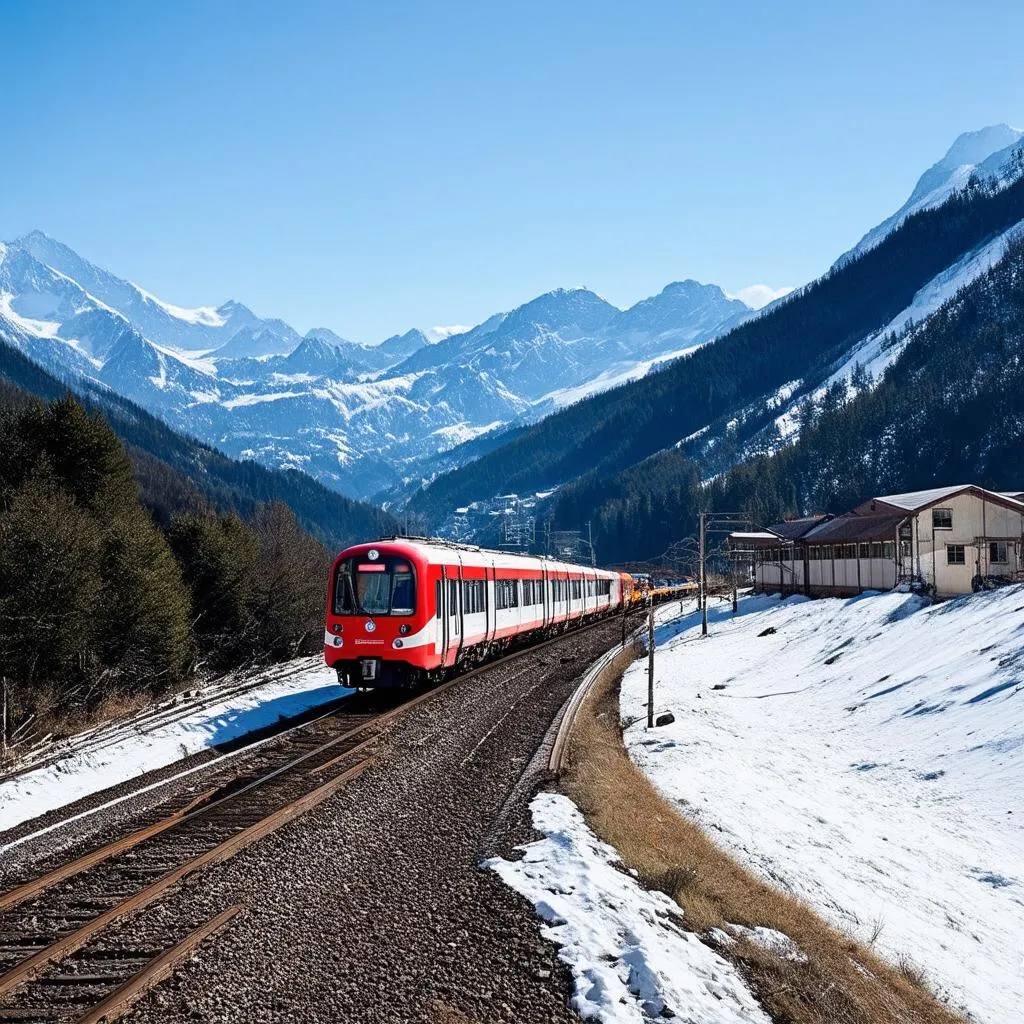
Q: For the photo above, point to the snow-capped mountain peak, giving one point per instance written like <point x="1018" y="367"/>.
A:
<point x="989" y="153"/>
<point x="351" y="414"/>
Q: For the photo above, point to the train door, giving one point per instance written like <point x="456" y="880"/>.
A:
<point x="491" y="617"/>
<point x="440" y="616"/>
<point x="452" y="619"/>
<point x="460" y="622"/>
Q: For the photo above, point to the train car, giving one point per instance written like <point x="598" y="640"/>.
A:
<point x="630" y="590"/>
<point x="405" y="611"/>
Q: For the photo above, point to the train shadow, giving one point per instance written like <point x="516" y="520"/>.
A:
<point x="243" y="726"/>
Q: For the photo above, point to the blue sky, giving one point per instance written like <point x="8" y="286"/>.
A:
<point x="372" y="167"/>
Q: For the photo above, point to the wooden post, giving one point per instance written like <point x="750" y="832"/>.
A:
<point x="3" y="726"/>
<point x="623" y="623"/>
<point x="650" y="669"/>
<point x="735" y="607"/>
<point x="703" y="579"/>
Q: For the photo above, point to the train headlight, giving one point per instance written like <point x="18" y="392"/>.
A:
<point x="338" y="641"/>
<point x="403" y="628"/>
<point x="396" y="643"/>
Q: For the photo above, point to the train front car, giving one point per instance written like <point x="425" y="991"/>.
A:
<point x="380" y="620"/>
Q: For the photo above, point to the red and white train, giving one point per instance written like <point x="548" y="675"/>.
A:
<point x="403" y="611"/>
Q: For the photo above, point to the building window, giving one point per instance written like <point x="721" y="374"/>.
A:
<point x="865" y="550"/>
<point x="955" y="554"/>
<point x="905" y="549"/>
<point x="942" y="518"/>
<point x="876" y="549"/>
<point x="997" y="551"/>
<point x="887" y="549"/>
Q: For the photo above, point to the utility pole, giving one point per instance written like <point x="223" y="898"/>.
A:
<point x="650" y="669"/>
<point x="703" y="578"/>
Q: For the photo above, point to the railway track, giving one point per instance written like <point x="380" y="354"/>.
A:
<point x="84" y="941"/>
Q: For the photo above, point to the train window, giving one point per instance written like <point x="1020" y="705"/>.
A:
<point x="385" y="587"/>
<point x="506" y="594"/>
<point x="474" y="596"/>
<point x="437" y="599"/>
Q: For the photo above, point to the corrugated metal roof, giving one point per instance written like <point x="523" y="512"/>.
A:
<point x="794" y="529"/>
<point x="852" y="527"/>
<point x="913" y="500"/>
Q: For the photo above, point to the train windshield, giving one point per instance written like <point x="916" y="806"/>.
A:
<point x="386" y="586"/>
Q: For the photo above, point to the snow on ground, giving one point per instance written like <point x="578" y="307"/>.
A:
<point x="867" y="756"/>
<point x="630" y="958"/>
<point x="106" y="757"/>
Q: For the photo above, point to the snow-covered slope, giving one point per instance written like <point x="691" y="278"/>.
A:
<point x="866" y="755"/>
<point x="174" y="729"/>
<point x="869" y="358"/>
<point x="630" y="959"/>
<point x="990" y="154"/>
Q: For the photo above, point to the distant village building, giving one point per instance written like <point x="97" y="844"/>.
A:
<point x="952" y="540"/>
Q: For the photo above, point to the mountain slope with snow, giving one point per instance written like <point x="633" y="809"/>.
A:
<point x="894" y="804"/>
<point x="994" y="153"/>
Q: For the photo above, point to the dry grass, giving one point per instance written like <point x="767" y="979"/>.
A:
<point x="841" y="982"/>
<point x="444" y="1013"/>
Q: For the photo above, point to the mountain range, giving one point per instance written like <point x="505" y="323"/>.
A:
<point x="566" y="395"/>
<point x="359" y="418"/>
<point x="632" y="461"/>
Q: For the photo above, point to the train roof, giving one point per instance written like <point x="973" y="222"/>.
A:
<point x="432" y="548"/>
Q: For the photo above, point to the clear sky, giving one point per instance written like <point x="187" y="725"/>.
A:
<point x="376" y="166"/>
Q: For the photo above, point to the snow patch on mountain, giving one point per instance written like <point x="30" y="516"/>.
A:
<point x="757" y="296"/>
<point x="878" y="351"/>
<point x="206" y="315"/>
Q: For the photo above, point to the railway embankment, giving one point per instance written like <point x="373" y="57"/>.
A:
<point x="833" y="809"/>
<point x="369" y="906"/>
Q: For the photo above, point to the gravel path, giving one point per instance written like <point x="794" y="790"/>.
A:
<point x="372" y="907"/>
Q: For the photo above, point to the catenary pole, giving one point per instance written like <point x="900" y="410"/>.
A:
<point x="650" y="669"/>
<point x="703" y="578"/>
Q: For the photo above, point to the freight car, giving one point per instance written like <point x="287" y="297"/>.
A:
<point x="407" y="611"/>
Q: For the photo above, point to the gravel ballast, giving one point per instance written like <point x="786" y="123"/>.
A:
<point x="373" y="906"/>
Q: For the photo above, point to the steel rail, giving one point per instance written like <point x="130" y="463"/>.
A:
<point x="64" y="947"/>
<point x="560" y="746"/>
<point x="121" y="1000"/>
<point x="79" y="864"/>
<point x="69" y="944"/>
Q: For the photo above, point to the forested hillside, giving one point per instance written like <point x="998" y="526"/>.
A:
<point x="100" y="603"/>
<point x="177" y="473"/>
<point x="800" y="338"/>
<point x="949" y="410"/>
